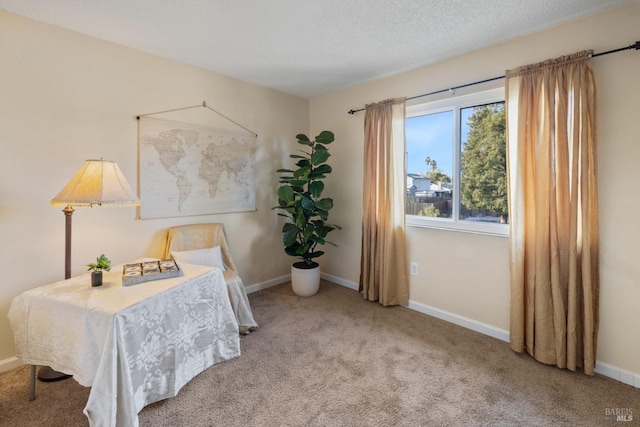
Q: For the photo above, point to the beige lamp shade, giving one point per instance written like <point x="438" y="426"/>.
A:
<point x="97" y="183"/>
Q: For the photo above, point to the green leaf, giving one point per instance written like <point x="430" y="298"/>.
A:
<point x="303" y="139"/>
<point x="325" y="204"/>
<point x="291" y="250"/>
<point x="300" y="250"/>
<point x="315" y="254"/>
<point x="317" y="239"/>
<point x="284" y="204"/>
<point x="307" y="204"/>
<point x="300" y="219"/>
<point x="320" y="156"/>
<point x="289" y="235"/>
<point x="288" y="227"/>
<point x="308" y="234"/>
<point x="285" y="193"/>
<point x="322" y="231"/>
<point x="303" y="163"/>
<point x="302" y="173"/>
<point x="325" y="137"/>
<point x="316" y="188"/>
<point x="320" y="170"/>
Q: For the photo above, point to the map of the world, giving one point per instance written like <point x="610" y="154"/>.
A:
<point x="188" y="169"/>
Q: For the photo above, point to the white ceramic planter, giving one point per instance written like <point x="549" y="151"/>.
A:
<point x="305" y="281"/>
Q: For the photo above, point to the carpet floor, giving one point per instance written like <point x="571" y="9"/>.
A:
<point x="336" y="360"/>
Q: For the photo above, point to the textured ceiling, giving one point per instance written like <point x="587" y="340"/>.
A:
<point x="306" y="47"/>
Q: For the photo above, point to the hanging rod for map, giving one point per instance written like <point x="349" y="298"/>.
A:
<point x="635" y="46"/>
<point x="204" y="104"/>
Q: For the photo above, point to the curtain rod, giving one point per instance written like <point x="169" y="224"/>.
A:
<point x="635" y="46"/>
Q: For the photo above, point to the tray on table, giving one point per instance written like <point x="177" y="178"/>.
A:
<point x="141" y="272"/>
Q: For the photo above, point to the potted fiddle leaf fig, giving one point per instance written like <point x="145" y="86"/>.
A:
<point x="102" y="263"/>
<point x="300" y="200"/>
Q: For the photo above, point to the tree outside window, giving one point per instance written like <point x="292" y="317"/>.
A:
<point x="483" y="165"/>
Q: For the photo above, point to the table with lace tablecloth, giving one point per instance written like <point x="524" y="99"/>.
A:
<point x="133" y="345"/>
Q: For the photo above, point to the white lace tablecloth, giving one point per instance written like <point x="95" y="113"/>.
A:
<point x="132" y="345"/>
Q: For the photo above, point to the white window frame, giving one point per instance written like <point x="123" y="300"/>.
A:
<point x="455" y="104"/>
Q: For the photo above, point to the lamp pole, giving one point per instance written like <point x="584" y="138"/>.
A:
<point x="68" y="211"/>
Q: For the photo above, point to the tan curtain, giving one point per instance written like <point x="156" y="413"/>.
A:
<point x="383" y="270"/>
<point x="553" y="211"/>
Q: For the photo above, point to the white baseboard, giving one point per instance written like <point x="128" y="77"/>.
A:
<point x="9" y="364"/>
<point x="340" y="281"/>
<point x="456" y="319"/>
<point x="267" y="284"/>
<point x="618" y="374"/>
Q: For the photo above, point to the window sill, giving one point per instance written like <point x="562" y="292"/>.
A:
<point x="487" y="229"/>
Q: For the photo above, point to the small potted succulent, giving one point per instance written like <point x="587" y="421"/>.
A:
<point x="102" y="263"/>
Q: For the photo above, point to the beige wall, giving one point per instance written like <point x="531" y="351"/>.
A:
<point x="64" y="98"/>
<point x="467" y="275"/>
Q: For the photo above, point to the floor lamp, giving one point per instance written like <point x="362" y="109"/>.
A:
<point x="97" y="183"/>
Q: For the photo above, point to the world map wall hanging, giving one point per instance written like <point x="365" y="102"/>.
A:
<point x="187" y="169"/>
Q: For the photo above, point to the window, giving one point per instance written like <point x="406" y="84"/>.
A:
<point x="456" y="164"/>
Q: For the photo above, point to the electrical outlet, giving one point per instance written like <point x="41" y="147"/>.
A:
<point x="414" y="268"/>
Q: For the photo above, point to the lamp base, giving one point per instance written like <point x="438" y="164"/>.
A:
<point x="48" y="375"/>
